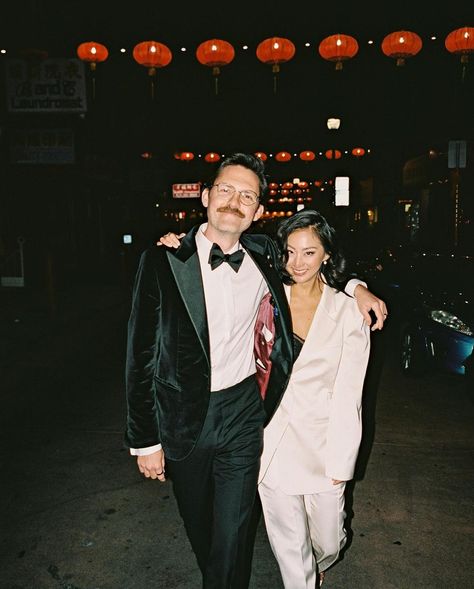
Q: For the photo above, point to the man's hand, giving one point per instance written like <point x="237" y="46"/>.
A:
<point x="152" y="465"/>
<point x="170" y="240"/>
<point x="366" y="301"/>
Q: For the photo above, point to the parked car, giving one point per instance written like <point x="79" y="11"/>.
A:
<point x="431" y="299"/>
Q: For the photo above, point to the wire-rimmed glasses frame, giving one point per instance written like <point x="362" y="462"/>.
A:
<point x="247" y="197"/>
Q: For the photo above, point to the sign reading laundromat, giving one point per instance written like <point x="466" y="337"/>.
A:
<point x="49" y="85"/>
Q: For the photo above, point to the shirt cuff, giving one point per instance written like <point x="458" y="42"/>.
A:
<point x="145" y="451"/>
<point x="351" y="285"/>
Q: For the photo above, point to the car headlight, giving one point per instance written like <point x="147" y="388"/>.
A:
<point x="451" y="321"/>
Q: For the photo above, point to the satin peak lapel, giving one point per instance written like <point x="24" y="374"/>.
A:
<point x="187" y="274"/>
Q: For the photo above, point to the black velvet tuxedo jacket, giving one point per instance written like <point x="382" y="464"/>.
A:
<point x="168" y="358"/>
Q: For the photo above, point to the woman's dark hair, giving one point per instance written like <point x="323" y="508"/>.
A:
<point x="333" y="272"/>
<point x="249" y="161"/>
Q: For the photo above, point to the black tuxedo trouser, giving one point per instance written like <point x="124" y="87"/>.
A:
<point x="215" y="486"/>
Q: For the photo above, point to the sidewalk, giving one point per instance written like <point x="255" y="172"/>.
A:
<point x="76" y="514"/>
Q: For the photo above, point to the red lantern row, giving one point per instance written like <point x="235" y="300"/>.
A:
<point x="281" y="156"/>
<point x="216" y="53"/>
<point x="274" y="51"/>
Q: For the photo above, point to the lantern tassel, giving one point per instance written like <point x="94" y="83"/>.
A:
<point x="93" y="70"/>
<point x="152" y="74"/>
<point x="275" y="70"/>
<point x="464" y="60"/>
<point x="215" y="72"/>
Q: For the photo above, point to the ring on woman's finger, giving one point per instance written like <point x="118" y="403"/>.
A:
<point x="159" y="473"/>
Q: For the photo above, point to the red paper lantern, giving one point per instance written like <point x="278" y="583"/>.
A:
<point x="212" y="157"/>
<point x="283" y="156"/>
<point x="401" y="44"/>
<point x="274" y="51"/>
<point x="338" y="48"/>
<point x="307" y="156"/>
<point x="358" y="151"/>
<point x="186" y="156"/>
<point x="92" y="53"/>
<point x="152" y="55"/>
<point x="215" y="53"/>
<point x="288" y="185"/>
<point x="461" y="42"/>
<point x="333" y="154"/>
<point x="273" y="185"/>
<point x="261" y="155"/>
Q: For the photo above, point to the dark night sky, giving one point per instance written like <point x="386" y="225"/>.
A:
<point x="381" y="106"/>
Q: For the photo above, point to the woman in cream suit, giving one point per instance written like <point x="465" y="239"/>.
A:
<point x="311" y="443"/>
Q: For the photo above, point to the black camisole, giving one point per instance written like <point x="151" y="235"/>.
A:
<point x="297" y="345"/>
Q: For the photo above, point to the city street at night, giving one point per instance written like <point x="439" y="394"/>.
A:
<point x="344" y="132"/>
<point x="76" y="514"/>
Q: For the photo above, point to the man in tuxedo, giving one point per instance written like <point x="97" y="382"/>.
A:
<point x="195" y="412"/>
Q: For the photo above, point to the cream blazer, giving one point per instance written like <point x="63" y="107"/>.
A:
<point x="315" y="433"/>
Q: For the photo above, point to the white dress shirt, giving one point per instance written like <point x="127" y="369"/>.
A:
<point x="232" y="300"/>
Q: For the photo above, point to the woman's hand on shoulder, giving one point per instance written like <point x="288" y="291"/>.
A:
<point x="170" y="239"/>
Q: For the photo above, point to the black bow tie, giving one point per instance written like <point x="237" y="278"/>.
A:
<point x="217" y="256"/>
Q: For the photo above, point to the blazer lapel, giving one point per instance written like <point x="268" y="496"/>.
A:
<point x="184" y="264"/>
<point x="323" y="319"/>
<point x="270" y="274"/>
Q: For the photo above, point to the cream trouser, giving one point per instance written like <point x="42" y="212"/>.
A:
<point x="302" y="527"/>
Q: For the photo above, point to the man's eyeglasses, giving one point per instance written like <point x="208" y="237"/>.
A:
<point x="247" y="197"/>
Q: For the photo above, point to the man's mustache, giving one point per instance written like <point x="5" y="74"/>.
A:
<point x="228" y="209"/>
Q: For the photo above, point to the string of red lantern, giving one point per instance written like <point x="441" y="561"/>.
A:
<point x="281" y="156"/>
<point x="216" y="53"/>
